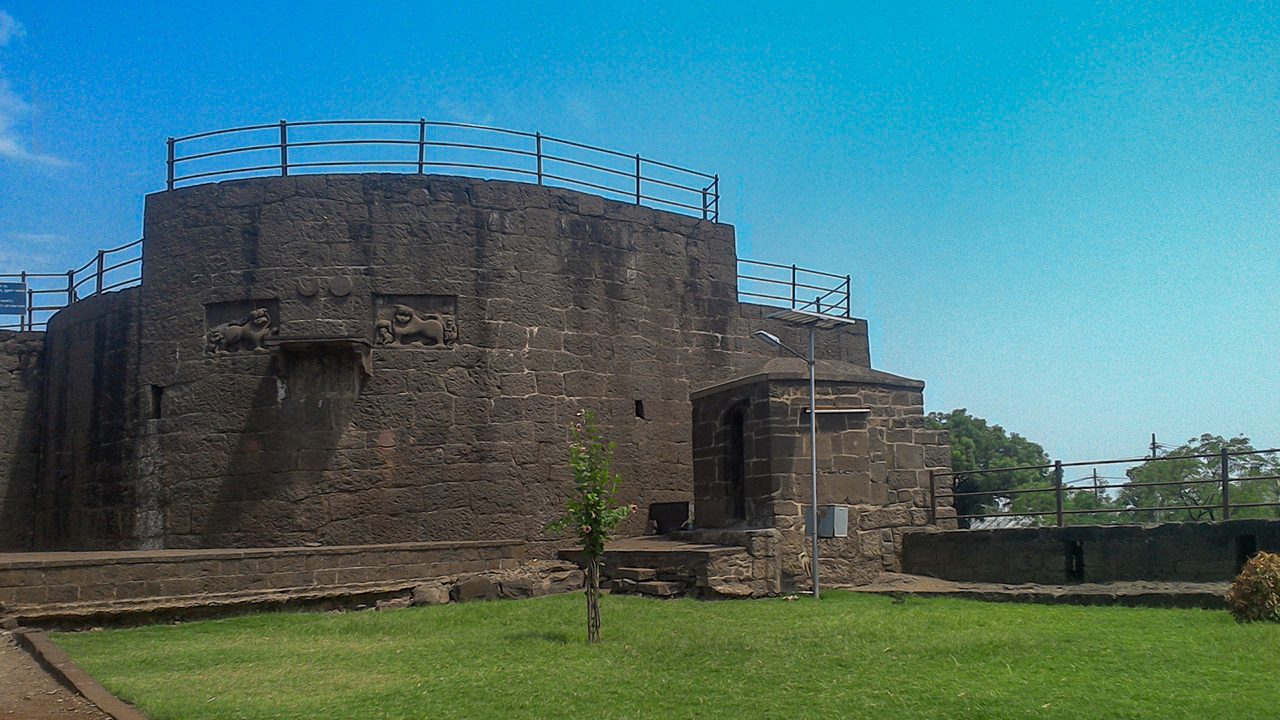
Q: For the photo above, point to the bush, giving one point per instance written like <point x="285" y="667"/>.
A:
<point x="1255" y="594"/>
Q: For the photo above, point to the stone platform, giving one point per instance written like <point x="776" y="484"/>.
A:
<point x="1137" y="593"/>
<point x="75" y="589"/>
<point x="682" y="563"/>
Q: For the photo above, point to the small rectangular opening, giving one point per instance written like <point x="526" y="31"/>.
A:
<point x="157" y="401"/>
<point x="1246" y="547"/>
<point x="1075" y="561"/>
<point x="640" y="409"/>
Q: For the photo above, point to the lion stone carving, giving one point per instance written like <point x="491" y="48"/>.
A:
<point x="248" y="334"/>
<point x="408" y="326"/>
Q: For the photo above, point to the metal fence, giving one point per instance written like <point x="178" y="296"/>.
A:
<point x="416" y="146"/>
<point x="1215" y="499"/>
<point x="110" y="269"/>
<point x="793" y="287"/>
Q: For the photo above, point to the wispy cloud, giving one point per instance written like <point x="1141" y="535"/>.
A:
<point x="13" y="108"/>
<point x="10" y="28"/>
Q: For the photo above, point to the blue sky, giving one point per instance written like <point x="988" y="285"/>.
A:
<point x="1061" y="216"/>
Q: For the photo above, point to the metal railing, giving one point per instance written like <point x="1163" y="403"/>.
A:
<point x="1216" y="500"/>
<point x="288" y="148"/>
<point x="793" y="287"/>
<point x="111" y="269"/>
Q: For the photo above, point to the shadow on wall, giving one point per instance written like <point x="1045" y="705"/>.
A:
<point x="273" y="490"/>
<point x="21" y="390"/>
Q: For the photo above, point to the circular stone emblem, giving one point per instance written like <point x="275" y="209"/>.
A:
<point x="340" y="286"/>
<point x="308" y="287"/>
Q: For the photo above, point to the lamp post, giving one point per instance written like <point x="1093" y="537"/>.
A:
<point x="811" y="361"/>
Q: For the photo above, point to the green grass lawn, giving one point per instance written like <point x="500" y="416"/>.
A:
<point x="847" y="656"/>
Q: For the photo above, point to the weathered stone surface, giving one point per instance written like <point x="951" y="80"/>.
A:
<point x="478" y="587"/>
<point x="558" y="300"/>
<point x="430" y="593"/>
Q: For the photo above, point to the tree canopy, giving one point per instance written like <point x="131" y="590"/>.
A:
<point x="1182" y="484"/>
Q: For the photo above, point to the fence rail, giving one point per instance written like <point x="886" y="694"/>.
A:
<point x="793" y="287"/>
<point x="111" y="269"/>
<point x="287" y="148"/>
<point x="1222" y="483"/>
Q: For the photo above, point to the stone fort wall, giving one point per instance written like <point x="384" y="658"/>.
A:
<point x="21" y="400"/>
<point x="335" y="421"/>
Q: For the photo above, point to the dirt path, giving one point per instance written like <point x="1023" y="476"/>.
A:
<point x="28" y="692"/>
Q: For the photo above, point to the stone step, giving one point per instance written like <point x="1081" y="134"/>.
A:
<point x="661" y="588"/>
<point x="639" y="574"/>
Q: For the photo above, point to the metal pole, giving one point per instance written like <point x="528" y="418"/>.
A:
<point x="813" y="455"/>
<point x="100" y="264"/>
<point x="538" y="151"/>
<point x="422" y="144"/>
<point x="716" y="184"/>
<point x="848" y="297"/>
<point x="170" y="164"/>
<point x="1057" y="492"/>
<point x="1226" y="485"/>
<point x="23" y="277"/>
<point x="793" y="286"/>
<point x="704" y="203"/>
<point x="284" y="149"/>
<point x="637" y="178"/>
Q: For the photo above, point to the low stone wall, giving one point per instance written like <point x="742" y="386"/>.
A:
<point x="45" y="579"/>
<point x="1188" y="552"/>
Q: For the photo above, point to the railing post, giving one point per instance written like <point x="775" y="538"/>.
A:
<point x="793" y="286"/>
<point x="704" y="203"/>
<point x="537" y="151"/>
<point x="848" y="296"/>
<point x="1057" y="492"/>
<point x="716" y="184"/>
<point x="422" y="144"/>
<point x="933" y="497"/>
<point x="169" y="183"/>
<point x="817" y="304"/>
<point x="1226" y="484"/>
<point x="284" y="149"/>
<point x="71" y="286"/>
<point x="100" y="266"/>
<point x="23" y="277"/>
<point x="637" y="178"/>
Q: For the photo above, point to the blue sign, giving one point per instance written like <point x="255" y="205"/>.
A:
<point x="13" y="298"/>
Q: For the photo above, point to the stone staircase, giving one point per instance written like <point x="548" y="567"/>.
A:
<point x="679" y="565"/>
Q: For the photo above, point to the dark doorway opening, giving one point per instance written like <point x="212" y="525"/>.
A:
<point x="736" y="464"/>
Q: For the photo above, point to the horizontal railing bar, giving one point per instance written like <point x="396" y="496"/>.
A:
<point x="213" y="173"/>
<point x="354" y="141"/>
<point x="1235" y="505"/>
<point x="228" y="151"/>
<point x="581" y="163"/>
<point x="469" y="126"/>
<point x="121" y="283"/>
<point x="122" y="263"/>
<point x="677" y="168"/>
<point x="672" y="185"/>
<point x="673" y="203"/>
<point x="570" y="143"/>
<point x="227" y="131"/>
<point x="86" y="266"/>
<point x="484" y="148"/>
<point x="30" y="276"/>
<point x="1121" y="461"/>
<point x="126" y="246"/>
<point x="498" y="168"/>
<point x="315" y="123"/>
<point x="351" y="163"/>
<point x="585" y="183"/>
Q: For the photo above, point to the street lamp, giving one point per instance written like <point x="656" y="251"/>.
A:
<point x="811" y="361"/>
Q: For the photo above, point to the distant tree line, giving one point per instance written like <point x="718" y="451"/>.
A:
<point x="1144" y="496"/>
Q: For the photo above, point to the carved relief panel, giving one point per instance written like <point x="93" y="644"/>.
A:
<point x="415" y="320"/>
<point x="239" y="325"/>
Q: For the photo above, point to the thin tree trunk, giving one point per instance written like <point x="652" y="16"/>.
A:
<point x="593" y="600"/>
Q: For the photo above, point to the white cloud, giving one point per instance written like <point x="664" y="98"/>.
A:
<point x="10" y="28"/>
<point x="13" y="108"/>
